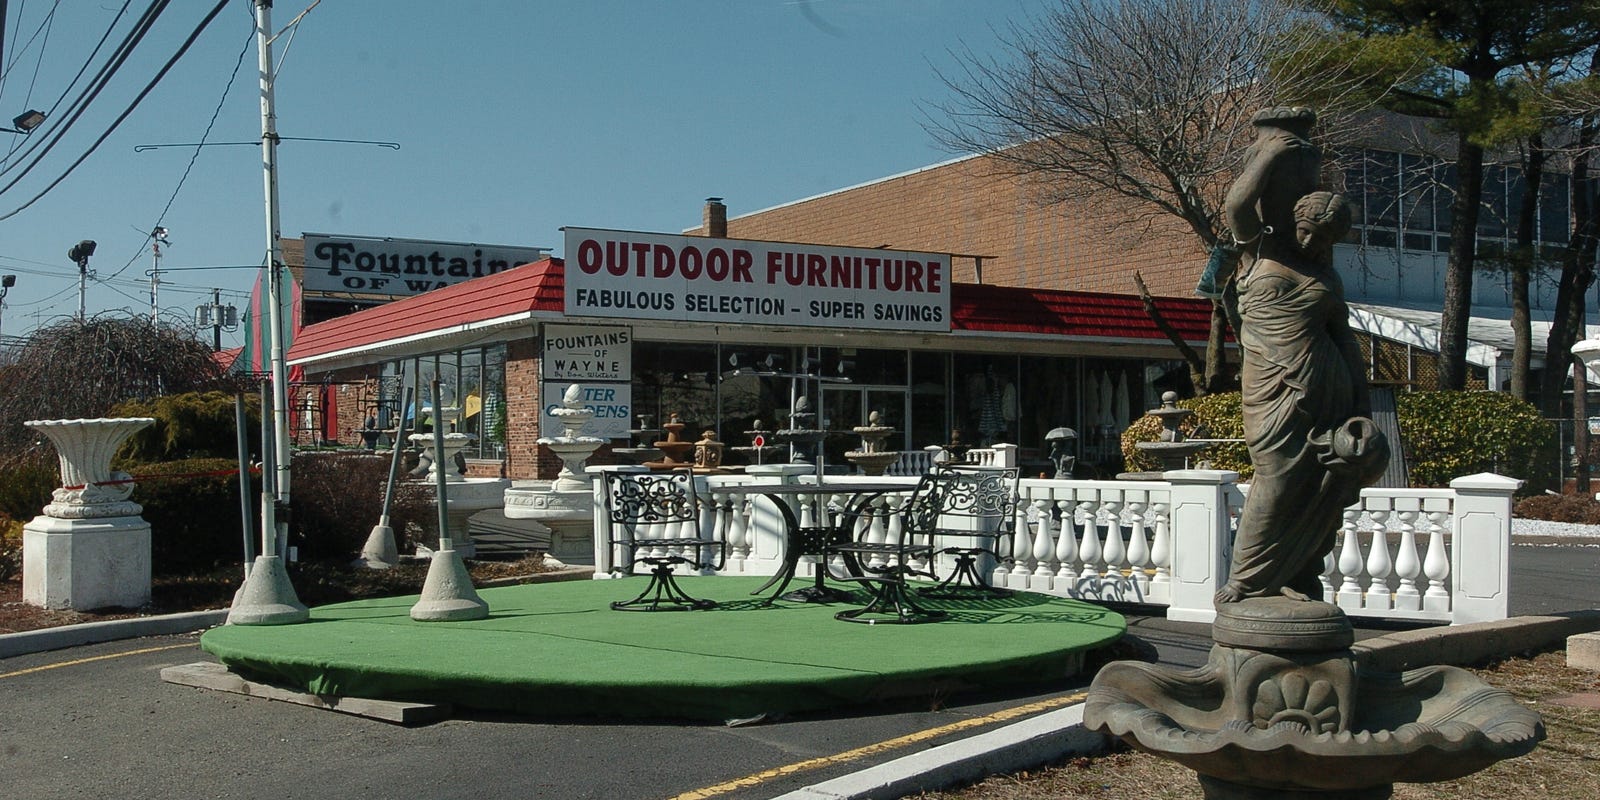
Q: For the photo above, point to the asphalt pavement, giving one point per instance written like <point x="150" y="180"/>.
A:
<point x="96" y="721"/>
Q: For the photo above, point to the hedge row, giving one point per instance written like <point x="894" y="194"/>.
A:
<point x="1446" y="435"/>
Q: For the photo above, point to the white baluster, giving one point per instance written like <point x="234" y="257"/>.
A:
<point x="1161" y="548"/>
<point x="888" y="525"/>
<point x="1022" y="536"/>
<point x="1089" y="549"/>
<point x="1379" y="564"/>
<point x="1044" y="545"/>
<point x="1350" y="559"/>
<point x="1112" y="554"/>
<point x="1138" y="551"/>
<point x="1407" y="565"/>
<point x="739" y="526"/>
<point x="1067" y="549"/>
<point x="1436" y="565"/>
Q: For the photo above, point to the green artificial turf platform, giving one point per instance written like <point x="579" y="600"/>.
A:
<point x="557" y="649"/>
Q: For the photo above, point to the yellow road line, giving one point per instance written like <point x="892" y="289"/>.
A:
<point x="873" y="749"/>
<point x="75" y="662"/>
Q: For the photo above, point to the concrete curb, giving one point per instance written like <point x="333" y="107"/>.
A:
<point x="1055" y="735"/>
<point x="1048" y="737"/>
<point x="1473" y="643"/>
<point x="17" y="644"/>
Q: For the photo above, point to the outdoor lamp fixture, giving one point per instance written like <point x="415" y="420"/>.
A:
<point x="81" y="251"/>
<point x="25" y="122"/>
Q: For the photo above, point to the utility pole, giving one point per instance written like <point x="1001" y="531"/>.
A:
<point x="216" y="317"/>
<point x="158" y="237"/>
<point x="267" y="597"/>
<point x="80" y="253"/>
<point x="275" y="288"/>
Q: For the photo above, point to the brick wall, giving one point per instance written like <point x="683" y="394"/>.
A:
<point x="968" y="207"/>
<point x="524" y="457"/>
<point x="357" y="391"/>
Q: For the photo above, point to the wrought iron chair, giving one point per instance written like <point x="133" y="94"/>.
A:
<point x="977" y="504"/>
<point x="977" y="518"/>
<point x="655" y="520"/>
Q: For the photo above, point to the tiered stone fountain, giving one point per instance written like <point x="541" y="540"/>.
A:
<point x="763" y="447"/>
<point x="675" y="451"/>
<point x="90" y="548"/>
<point x="801" y="437"/>
<point x="454" y="443"/>
<point x="464" y="496"/>
<point x="565" y="506"/>
<point x="639" y="450"/>
<point x="1172" y="448"/>
<point x="872" y="459"/>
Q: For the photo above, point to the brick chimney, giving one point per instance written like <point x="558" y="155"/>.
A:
<point x="714" y="220"/>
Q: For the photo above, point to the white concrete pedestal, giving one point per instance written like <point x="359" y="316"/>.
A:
<point x="86" y="564"/>
<point x="464" y="498"/>
<point x="568" y="514"/>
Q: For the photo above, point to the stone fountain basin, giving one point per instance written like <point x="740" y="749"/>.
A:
<point x="1433" y="723"/>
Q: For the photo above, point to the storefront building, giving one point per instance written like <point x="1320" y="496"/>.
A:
<point x="727" y="334"/>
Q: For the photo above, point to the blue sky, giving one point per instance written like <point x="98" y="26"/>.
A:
<point x="513" y="119"/>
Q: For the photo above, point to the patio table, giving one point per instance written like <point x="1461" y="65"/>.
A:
<point x="801" y="541"/>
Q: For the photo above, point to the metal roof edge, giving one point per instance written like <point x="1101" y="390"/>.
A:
<point x="506" y="321"/>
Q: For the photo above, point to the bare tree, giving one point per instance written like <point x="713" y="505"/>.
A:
<point x="81" y="368"/>
<point x="1150" y="100"/>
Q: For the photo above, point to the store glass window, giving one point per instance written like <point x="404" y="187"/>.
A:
<point x="472" y="394"/>
<point x="671" y="378"/>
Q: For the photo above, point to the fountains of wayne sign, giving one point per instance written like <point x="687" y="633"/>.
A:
<point x="403" y="267"/>
<point x="601" y="359"/>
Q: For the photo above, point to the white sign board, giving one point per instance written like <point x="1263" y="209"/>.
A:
<point x="402" y="267"/>
<point x="612" y="404"/>
<point x="579" y="353"/>
<point x="621" y="274"/>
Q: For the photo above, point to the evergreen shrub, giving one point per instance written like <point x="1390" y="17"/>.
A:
<point x="1447" y="435"/>
<point x="191" y="425"/>
<point x="27" y="481"/>
<point x="1451" y="434"/>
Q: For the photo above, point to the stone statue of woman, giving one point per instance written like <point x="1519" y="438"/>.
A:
<point x="1303" y="380"/>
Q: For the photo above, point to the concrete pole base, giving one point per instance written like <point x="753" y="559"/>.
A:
<point x="447" y="594"/>
<point x="380" y="551"/>
<point x="267" y="597"/>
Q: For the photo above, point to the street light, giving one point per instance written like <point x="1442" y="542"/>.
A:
<point x="25" y="122"/>
<point x="6" y="282"/>
<point x="79" y="254"/>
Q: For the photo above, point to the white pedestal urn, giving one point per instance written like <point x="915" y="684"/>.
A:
<point x="564" y="506"/>
<point x="89" y="549"/>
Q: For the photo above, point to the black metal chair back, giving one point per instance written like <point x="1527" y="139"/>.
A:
<point x="649" y="513"/>
<point x="970" y="513"/>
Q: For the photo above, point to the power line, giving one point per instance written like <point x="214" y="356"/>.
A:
<point x="192" y="159"/>
<point x="56" y="131"/>
<point x="165" y="68"/>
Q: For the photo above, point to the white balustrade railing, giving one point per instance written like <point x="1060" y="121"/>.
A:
<point x="1419" y="554"/>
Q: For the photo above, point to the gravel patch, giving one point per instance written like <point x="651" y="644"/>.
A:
<point x="1561" y="530"/>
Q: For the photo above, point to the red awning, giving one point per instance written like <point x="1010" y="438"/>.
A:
<point x="539" y="287"/>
